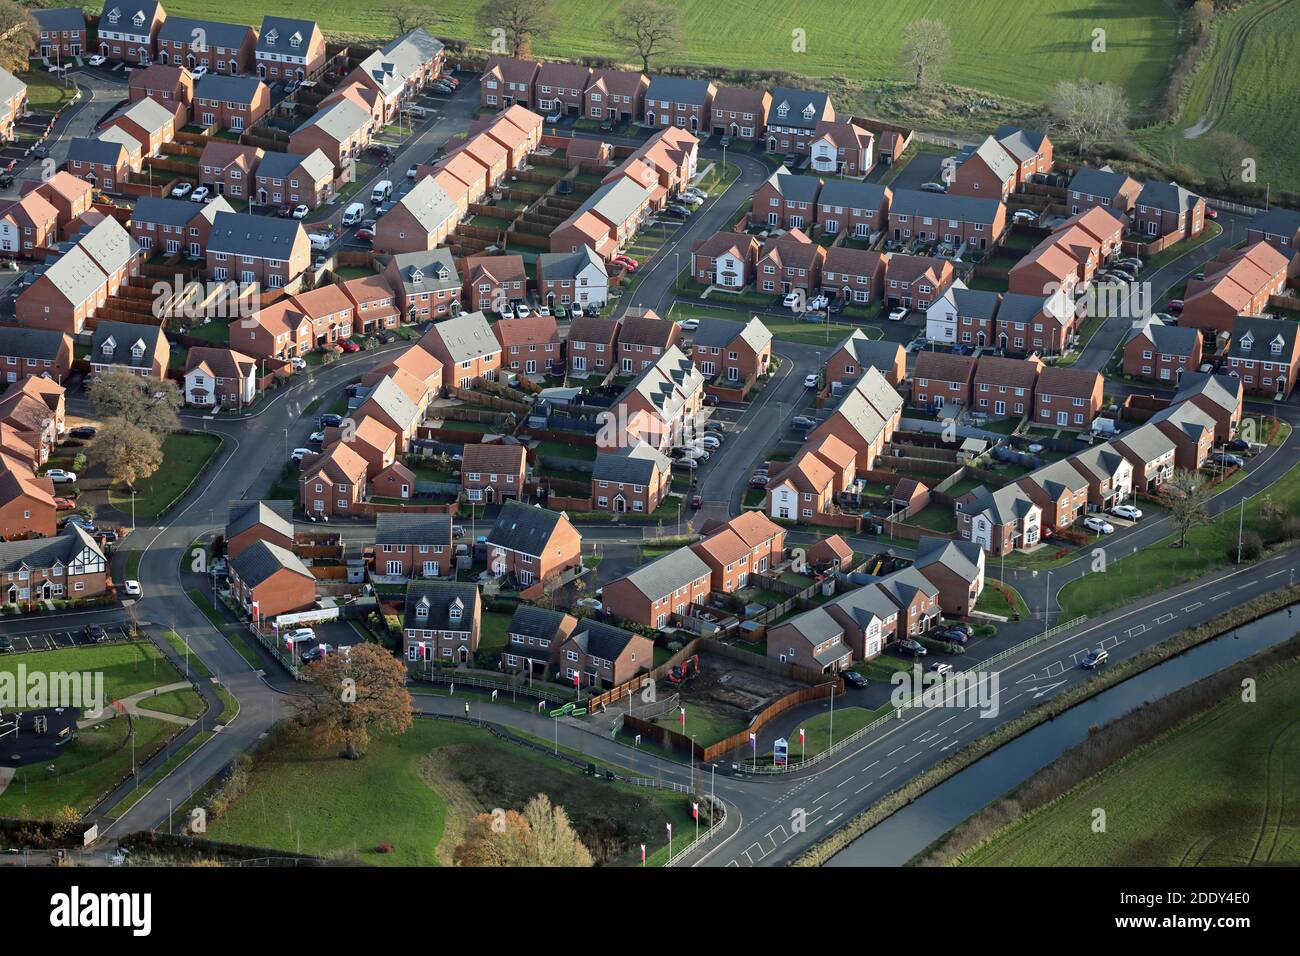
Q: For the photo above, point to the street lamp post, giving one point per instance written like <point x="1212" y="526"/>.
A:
<point x="1047" y="608"/>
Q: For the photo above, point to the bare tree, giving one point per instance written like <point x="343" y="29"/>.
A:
<point x="648" y="29"/>
<point x="513" y="24"/>
<point x="926" y="45"/>
<point x="18" y="35"/>
<point x="1185" y="494"/>
<point x="1089" y="112"/>
<point x="408" y="15"/>
<point x="1225" y="151"/>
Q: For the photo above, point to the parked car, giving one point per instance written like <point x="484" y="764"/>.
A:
<point x="1024" y="215"/>
<point x="300" y="211"/>
<point x="181" y="190"/>
<point x="1099" y="525"/>
<point x="803" y="421"/>
<point x="690" y="200"/>
<point x="330" y="420"/>
<point x="6" y="645"/>
<point x="317" y="438"/>
<point x="818" y="302"/>
<point x="64" y="504"/>
<point x="131" y="588"/>
<point x="792" y="300"/>
<point x="200" y="194"/>
<point x="1237" y="444"/>
<point x="711" y="441"/>
<point x="1176" y="306"/>
<point x="1094" y="659"/>
<point x="298" y="454"/>
<point x="522" y="310"/>
<point x="608" y="126"/>
<point x="933" y="187"/>
<point x="364" y="235"/>
<point x="59" y="476"/>
<point x="678" y="208"/>
<point x="199" y="72"/>
<point x="316" y="653"/>
<point x="758" y="481"/>
<point x="685" y="464"/>
<point x="83" y="431"/>
<point x="696" y="191"/>
<point x="95" y="633"/>
<point x="789" y="160"/>
<point x="915" y="648"/>
<point x="300" y="634"/>
<point x="350" y="346"/>
<point x="854" y="678"/>
<point x="672" y="213"/>
<point x="711" y="400"/>
<point x="628" y="261"/>
<point x="696" y="502"/>
<point x="97" y="60"/>
<point x="688" y="325"/>
<point x="952" y="635"/>
<point x="1227" y="460"/>
<point x="897" y="314"/>
<point x="298" y="362"/>
<point x="1126" y="511"/>
<point x="812" y="380"/>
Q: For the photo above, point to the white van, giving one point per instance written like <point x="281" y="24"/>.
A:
<point x="381" y="192"/>
<point x="352" y="215"/>
<point x="318" y="242"/>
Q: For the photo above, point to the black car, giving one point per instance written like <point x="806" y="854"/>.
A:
<point x="6" y="180"/>
<point x="315" y="654"/>
<point x="960" y="626"/>
<point x="608" y="126"/>
<point x="109" y="537"/>
<point x="6" y="646"/>
<point x="672" y="213"/>
<point x="387" y="338"/>
<point x="82" y="431"/>
<point x="1237" y="444"/>
<point x="952" y="635"/>
<point x="95" y="632"/>
<point x="854" y="678"/>
<point x="330" y="421"/>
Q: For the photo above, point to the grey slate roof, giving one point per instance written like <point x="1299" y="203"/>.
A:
<point x="601" y="640"/>
<point x="148" y="114"/>
<point x="795" y="188"/>
<point x="1147" y="442"/>
<point x="1222" y="389"/>
<point x="272" y="514"/>
<point x="468" y="336"/>
<point x="339" y="120"/>
<point x="59" y="19"/>
<point x="1262" y="332"/>
<point x="239" y="234"/>
<point x="1020" y="307"/>
<point x="432" y="271"/>
<point x="109" y="245"/>
<point x="30" y="343"/>
<point x="1097" y="182"/>
<point x="719" y="333"/>
<point x="127" y="10"/>
<point x="1005" y="506"/>
<point x="96" y="150"/>
<point x="633" y="464"/>
<point x="1276" y="221"/>
<point x="796" y="100"/>
<point x="960" y="557"/>
<point x="866" y="603"/>
<point x="616" y="202"/>
<point x="1023" y="144"/>
<point x="1168" y="196"/>
<point x="124" y="336"/>
<point x="914" y="202"/>
<point x="261" y="559"/>
<point x="996" y="158"/>
<point x="1100" y="461"/>
<point x="1057" y="478"/>
<point x="533" y="621"/>
<point x="213" y="33"/>
<point x="171" y="212"/>
<point x="39" y="553"/>
<point x="227" y="89"/>
<point x="1187" y="417"/>
<point x="398" y="528"/>
<point x="438" y="597"/>
<point x="674" y="570"/>
<point x="284" y="28"/>
<point x="668" y="383"/>
<point x="677" y="89"/>
<point x="974" y="303"/>
<point x="1168" y="339"/>
<point x="852" y="194"/>
<point x="523" y="528"/>
<point x="567" y="265"/>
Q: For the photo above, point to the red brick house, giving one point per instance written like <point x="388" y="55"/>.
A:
<point x="278" y="331"/>
<point x="530" y="346"/>
<point x="1060" y="491"/>
<point x="732" y="354"/>
<point x="1004" y="387"/>
<point x="43" y="352"/>
<point x="466" y="347"/>
<point x="560" y="88"/>
<point x="106" y="160"/>
<point x="789" y="262"/>
<point x="642" y="338"/>
<point x="235" y="103"/>
<point x="150" y="122"/>
<point x="374" y="306"/>
<point x="651" y="594"/>
<point x="858" y="208"/>
<point x="841" y="148"/>
<point x="794" y="117"/>
<point x="1163" y="209"/>
<point x="441" y="622"/>
<point x="228" y="168"/>
<point x="334" y="484"/>
<point x="71" y="197"/>
<point x="1033" y="323"/>
<point x="917" y="282"/>
<point x="224" y="48"/>
<point x="69" y="566"/>
<point x="739" y="112"/>
<point x="508" y="81"/>
<point x="854" y="276"/>
<point x="413" y="546"/>
<point x="635" y="478"/>
<point x="419" y="221"/>
<point x="987" y="171"/>
<point x="1237" y="282"/>
<point x="169" y="85"/>
<point x="426" y="284"/>
<point x="1066" y="397"/>
<point x="1219" y="396"/>
<point x="857" y="353"/>
<point x="674" y="101"/>
<point x="128" y="32"/>
<point x="1160" y="352"/>
<point x="726" y="259"/>
<point x="956" y="568"/>
<point x="963" y="222"/>
<point x="1101" y="187"/>
<point x="288" y="179"/>
<point x="532" y="544"/>
<point x="1266" y="354"/>
<point x="248" y="249"/>
<point x="494" y="282"/>
<point x="615" y="94"/>
<point x="30" y="223"/>
<point x="62" y="33"/>
<point x="250" y="521"/>
<point x="174" y="226"/>
<point x="1044" y="269"/>
<point x="491" y="473"/>
<point x="592" y="345"/>
<point x="1104" y="225"/>
<point x="340" y="131"/>
<point x="787" y="201"/>
<point x="1190" y="429"/>
<point x="1031" y="150"/>
<point x="289" y="49"/>
<point x="940" y="379"/>
<point x="268" y="580"/>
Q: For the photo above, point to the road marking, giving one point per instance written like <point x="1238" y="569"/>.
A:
<point x="843" y="782"/>
<point x="834" y="818"/>
<point x="942" y="722"/>
<point x="1193" y="607"/>
<point x="822" y="797"/>
<point x="939" y="741"/>
<point x="1164" y="619"/>
<point x="1248" y="584"/>
<point x="887" y="772"/>
<point x="913" y="757"/>
<point x="963" y="727"/>
<point x="1009" y="700"/>
<point x="1276" y="573"/>
<point x="1223" y="595"/>
<point x="895" y="750"/>
<point x="867" y="787"/>
<point x="870" y="765"/>
<point x="1136" y="630"/>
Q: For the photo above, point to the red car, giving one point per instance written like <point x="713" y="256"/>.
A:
<point x="64" y="504"/>
<point x="1211" y="212"/>
<point x="365" y="235"/>
<point x="627" y="262"/>
<point x="285" y="212"/>
<point x="350" y="346"/>
<point x="1175" y="306"/>
<point x="696" y="501"/>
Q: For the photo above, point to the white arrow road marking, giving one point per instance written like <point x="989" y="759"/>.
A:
<point x="834" y="818"/>
<point x="1040" y="691"/>
<point x="954" y="743"/>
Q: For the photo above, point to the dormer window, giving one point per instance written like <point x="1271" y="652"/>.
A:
<point x="138" y="19"/>
<point x="272" y="37"/>
<point x="422" y="609"/>
<point x="808" y="111"/>
<point x="417" y="276"/>
<point x="109" y="347"/>
<point x="295" y="41"/>
<point x="114" y="15"/>
<point x="782" y="110"/>
<point x="1247" y="341"/>
<point x="454" y="612"/>
<point x="1277" y="345"/>
<point x="137" y="350"/>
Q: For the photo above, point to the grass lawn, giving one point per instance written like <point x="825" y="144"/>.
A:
<point x="182" y="703"/>
<point x="828" y="334"/>
<point x="817" y="738"/>
<point x="98" y="760"/>
<point x="1207" y="794"/>
<point x="935" y="517"/>
<point x="128" y="668"/>
<point x="705" y="724"/>
<point x="1163" y="565"/>
<point x="418" y="791"/>
<point x="185" y="455"/>
<point x="492" y="632"/>
<point x="993" y="601"/>
<point x="44" y="91"/>
<point x="882" y="668"/>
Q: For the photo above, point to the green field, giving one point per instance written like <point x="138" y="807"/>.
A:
<point x="1163" y="565"/>
<point x="127" y="668"/>
<point x="181" y="703"/>
<point x="418" y="790"/>
<point x="1015" y="56"/>
<point x="1212" y="793"/>
<point x="706" y="725"/>
<point x="185" y="455"/>
<point x="1247" y="84"/>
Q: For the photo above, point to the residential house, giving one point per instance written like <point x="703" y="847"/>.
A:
<point x="1067" y="397"/>
<point x="1030" y="324"/>
<point x="62" y="32"/>
<point x="1237" y="282"/>
<point x="27" y="508"/>
<point x="340" y="131"/>
<point x="676" y="101"/>
<point x="1218" y="395"/>
<point x="1031" y="150"/>
<point x="13" y="103"/>
<point x="956" y="568"/>
<point x="441" y="622"/>
<point x="634" y="478"/>
<point x="857" y="353"/>
<point x="572" y="278"/>
<point x="1190" y="429"/>
<point x="1108" y="472"/>
<point x="174" y="226"/>
<point x="151" y="123"/>
<point x="28" y="224"/>
<point x="1044" y="270"/>
<point x="257" y="249"/>
<point x="859" y="208"/>
<point x="1060" y="490"/>
<point x="841" y="148"/>
<point x="330" y="311"/>
<point x="1279" y="227"/>
<point x="787" y="201"/>
<point x="987" y="171"/>
<point x="606" y="220"/>
<point x="419" y="221"/>
<point x="651" y="594"/>
<point x="235" y="103"/>
<point x="334" y="484"/>
<point x="657" y="405"/>
<point x="228" y="169"/>
<point x="508" y="81"/>
<point x="289" y="49"/>
<point x="533" y="639"/>
<point x="495" y="282"/>
<point x="71" y="197"/>
<point x="374" y="440"/>
<point x="1151" y="453"/>
<point x="1105" y="226"/>
<point x="865" y="418"/>
<point x="268" y="580"/>
<point x="599" y="655"/>
<point x="172" y="86"/>
<point x="289" y="179"/>
<point x="466" y="347"/>
<point x="725" y="259"/>
<point x="141" y="349"/>
<point x="1101" y="187"/>
<point x="963" y="316"/>
<point x="854" y="276"/>
<point x="1000" y="521"/>
<point x="491" y="473"/>
<point x="814" y="640"/>
<point x="592" y="345"/>
<point x="413" y="546"/>
<point x="560" y="88"/>
<point x="28" y="351"/>
<point x="1167" y="209"/>
<point x="219" y="377"/>
<point x="732" y="354"/>
<point x="128" y="31"/>
<point x="394" y="407"/>
<point x="1004" y="387"/>
<point x="739" y="112"/>
<point x="532" y="544"/>
<point x="251" y="521"/>
<point x="794" y="117"/>
<point x="277" y="331"/>
<point x="530" y="346"/>
<point x="65" y="295"/>
<point x="69" y="566"/>
<point x="1265" y="353"/>
<point x="616" y="94"/>
<point x="961" y="222"/>
<point x="802" y="491"/>
<point x="224" y="48"/>
<point x="106" y="160"/>
<point x="942" y="379"/>
<point x="830" y="554"/>
<point x="790" y="262"/>
<point x="374" y="307"/>
<point x="1160" y="352"/>
<point x="915" y="282"/>
<point x="426" y="284"/>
